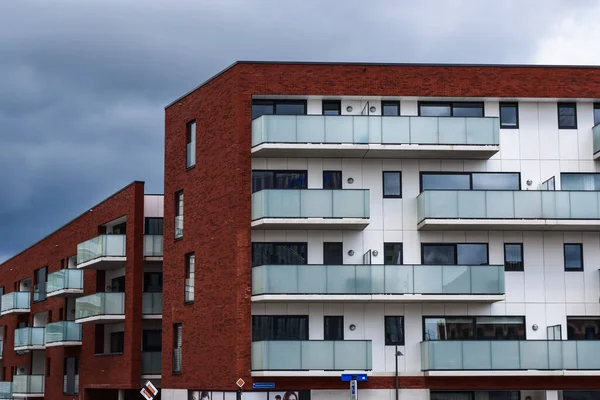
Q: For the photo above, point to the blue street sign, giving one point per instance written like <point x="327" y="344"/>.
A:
<point x="356" y="377"/>
<point x="263" y="385"/>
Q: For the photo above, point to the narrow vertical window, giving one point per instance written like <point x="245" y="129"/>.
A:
<point x="179" y="214"/>
<point x="392" y="253"/>
<point x="190" y="261"/>
<point x="392" y="184"/>
<point x="573" y="257"/>
<point x="177" y="345"/>
<point x="513" y="257"/>
<point x="191" y="144"/>
<point x="332" y="179"/>
<point x="333" y="327"/>
<point x="394" y="331"/>
<point x="509" y="115"/>
<point x="567" y="116"/>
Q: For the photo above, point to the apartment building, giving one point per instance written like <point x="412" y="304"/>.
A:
<point x="81" y="308"/>
<point x="435" y="227"/>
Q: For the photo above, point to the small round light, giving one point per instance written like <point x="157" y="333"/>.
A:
<point x="372" y="109"/>
<point x="352" y="327"/>
<point x="529" y="182"/>
<point x="375" y="252"/>
<point x="534" y="327"/>
<point x="351" y="180"/>
<point x="349" y="108"/>
<point x="350" y="253"/>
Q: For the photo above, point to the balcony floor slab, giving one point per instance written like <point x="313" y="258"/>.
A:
<point x="310" y="223"/>
<point x="104" y="263"/>
<point x="101" y="319"/>
<point x="400" y="298"/>
<point x="65" y="293"/>
<point x="444" y="224"/>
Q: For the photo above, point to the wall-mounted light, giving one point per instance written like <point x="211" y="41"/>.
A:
<point x="352" y="327"/>
<point x="374" y="252"/>
<point x="372" y="109"/>
<point x="349" y="108"/>
<point x="351" y="180"/>
<point x="350" y="253"/>
<point x="529" y="182"/>
<point x="534" y="327"/>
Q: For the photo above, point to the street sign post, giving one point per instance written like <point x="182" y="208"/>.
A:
<point x="353" y="390"/>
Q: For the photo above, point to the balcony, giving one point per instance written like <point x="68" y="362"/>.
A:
<point x="100" y="308"/>
<point x="29" y="339"/>
<point x="153" y="247"/>
<point x="401" y="283"/>
<point x="63" y="333"/>
<point x="314" y="357"/>
<point x="151" y="305"/>
<point x="102" y="252"/>
<point x="6" y="390"/>
<point x="15" y="303"/>
<point x="596" y="134"/>
<point x="65" y="283"/>
<point x="502" y="355"/>
<point x="28" y="386"/>
<point x="508" y="210"/>
<point x="151" y="364"/>
<point x="374" y="136"/>
<point x="310" y="209"/>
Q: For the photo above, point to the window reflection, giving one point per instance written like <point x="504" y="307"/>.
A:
<point x="479" y="328"/>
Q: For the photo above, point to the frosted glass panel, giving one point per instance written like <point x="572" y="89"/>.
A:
<point x="100" y="304"/>
<point x="101" y="246"/>
<point x="453" y="130"/>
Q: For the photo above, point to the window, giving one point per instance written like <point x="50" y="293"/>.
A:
<point x="152" y="340"/>
<point x="509" y="115"/>
<point x="48" y="366"/>
<point x="390" y="108"/>
<point x="70" y="371"/>
<point x="117" y="342"/>
<point x="392" y="184"/>
<point x="179" y="214"/>
<point x="470" y="181"/>
<point x="269" y="253"/>
<point x="567" y="116"/>
<point x="392" y="253"/>
<point x="153" y="282"/>
<point x="333" y="253"/>
<point x="177" y="345"/>
<point x="191" y="144"/>
<point x="450" y="109"/>
<point x="275" y="327"/>
<point x="153" y="226"/>
<point x="596" y="114"/>
<point x="40" y="278"/>
<point x="513" y="257"/>
<point x="332" y="179"/>
<point x="394" y="331"/>
<point x="118" y="284"/>
<point x="454" y="254"/>
<point x="580" y="181"/>
<point x="492" y="395"/>
<point x="580" y="395"/>
<point x="469" y="328"/>
<point x="573" y="257"/>
<point x="278" y="107"/>
<point x="332" y="107"/>
<point x="582" y="328"/>
<point x="278" y="180"/>
<point x="334" y="327"/>
<point x="190" y="261"/>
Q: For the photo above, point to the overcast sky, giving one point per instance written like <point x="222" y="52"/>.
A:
<point x="83" y="84"/>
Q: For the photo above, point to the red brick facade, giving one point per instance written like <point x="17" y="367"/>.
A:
<point x="217" y="327"/>
<point x="95" y="371"/>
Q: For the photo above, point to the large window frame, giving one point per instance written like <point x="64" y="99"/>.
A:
<point x="453" y="105"/>
<point x="393" y="249"/>
<point x="277" y="321"/>
<point x="509" y="105"/>
<point x="391" y="196"/>
<point x="594" y="322"/>
<point x="594" y="174"/>
<point x="396" y="322"/>
<point x="473" y="323"/>
<point x="513" y="266"/>
<point x="281" y="244"/>
<point x="275" y="103"/>
<point x="153" y="226"/>
<point x="578" y="269"/>
<point x="455" y="245"/>
<point x="565" y="106"/>
<point x="275" y="173"/>
<point x="470" y="175"/>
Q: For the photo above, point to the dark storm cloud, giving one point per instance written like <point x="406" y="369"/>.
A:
<point x="83" y="83"/>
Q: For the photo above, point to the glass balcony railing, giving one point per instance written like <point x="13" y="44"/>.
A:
<point x="100" y="304"/>
<point x="304" y="355"/>
<point x="178" y="226"/>
<point x="151" y="303"/>
<point x="596" y="134"/>
<point x="501" y="204"/>
<point x="151" y="361"/>
<point x="29" y="384"/>
<point x="510" y="355"/>
<point x="6" y="390"/>
<point x="63" y="331"/>
<point x="15" y="301"/>
<point x="153" y="245"/>
<point x="378" y="279"/>
<point x="349" y="129"/>
<point x="310" y="203"/>
<point x="65" y="279"/>
<point x="25" y="337"/>
<point x="101" y="246"/>
<point x="39" y="294"/>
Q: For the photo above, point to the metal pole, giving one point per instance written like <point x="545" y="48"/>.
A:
<point x="396" y="357"/>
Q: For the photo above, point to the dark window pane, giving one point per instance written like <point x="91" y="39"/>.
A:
<point x="583" y="328"/>
<point x="500" y="328"/>
<point x="278" y="254"/>
<point x="190" y="268"/>
<point x="392" y="253"/>
<point x="153" y="282"/>
<point x="290" y="180"/>
<point x="390" y="108"/>
<point x="580" y="181"/>
<point x="262" y="180"/>
<point x="152" y="340"/>
<point x="117" y="342"/>
<point x="435" y="110"/>
<point x="332" y="107"/>
<point x="509" y="115"/>
<point x="448" y="328"/>
<point x="154" y="226"/>
<point x="290" y="108"/>
<point x="439" y="254"/>
<point x="392" y="184"/>
<point x="394" y="331"/>
<point x="596" y="113"/>
<point x="472" y="254"/>
<point x="567" y="116"/>
<point x="272" y="327"/>
<point x="475" y="110"/>
<point x="446" y="181"/>
<point x="513" y="257"/>
<point x="262" y="108"/>
<point x="332" y="179"/>
<point x="492" y="181"/>
<point x="333" y="253"/>
<point x="573" y="257"/>
<point x="451" y="396"/>
<point x="581" y="394"/>
<point x="334" y="327"/>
